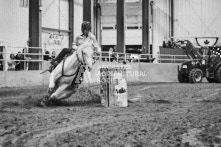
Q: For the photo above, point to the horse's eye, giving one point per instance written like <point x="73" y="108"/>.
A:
<point x="84" y="53"/>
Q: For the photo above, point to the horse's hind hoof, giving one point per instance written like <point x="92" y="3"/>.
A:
<point x="50" y="91"/>
<point x="44" y="102"/>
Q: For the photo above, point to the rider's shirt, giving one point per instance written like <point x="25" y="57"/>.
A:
<point x="80" y="39"/>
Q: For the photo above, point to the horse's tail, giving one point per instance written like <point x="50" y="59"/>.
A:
<point x="45" y="71"/>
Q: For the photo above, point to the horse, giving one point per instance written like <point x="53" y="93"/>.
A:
<point x="66" y="77"/>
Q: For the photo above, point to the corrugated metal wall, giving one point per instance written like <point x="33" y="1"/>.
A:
<point x="197" y="18"/>
<point x="160" y="23"/>
<point x="50" y="14"/>
<point x="13" y="23"/>
<point x="55" y="15"/>
<point x="78" y="16"/>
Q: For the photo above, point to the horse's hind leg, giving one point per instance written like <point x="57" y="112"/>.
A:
<point x="65" y="94"/>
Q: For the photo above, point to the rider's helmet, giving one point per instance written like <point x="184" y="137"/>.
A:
<point x="85" y="26"/>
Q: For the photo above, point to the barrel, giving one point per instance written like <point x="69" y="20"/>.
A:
<point x="113" y="87"/>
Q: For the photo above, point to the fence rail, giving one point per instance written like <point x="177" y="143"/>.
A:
<point x="104" y="56"/>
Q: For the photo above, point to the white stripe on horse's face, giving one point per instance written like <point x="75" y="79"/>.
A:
<point x="87" y="56"/>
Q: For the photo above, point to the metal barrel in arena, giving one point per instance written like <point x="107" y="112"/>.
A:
<point x="113" y="87"/>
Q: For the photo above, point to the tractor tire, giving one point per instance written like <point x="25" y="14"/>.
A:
<point x="211" y="80"/>
<point x="182" y="79"/>
<point x="218" y="75"/>
<point x="195" y="76"/>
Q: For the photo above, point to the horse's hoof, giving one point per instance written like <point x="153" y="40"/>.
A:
<point x="50" y="90"/>
<point x="43" y="103"/>
<point x="53" y="101"/>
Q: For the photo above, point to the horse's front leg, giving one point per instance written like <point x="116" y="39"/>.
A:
<point x="59" y="92"/>
<point x="51" y="82"/>
<point x="56" y="95"/>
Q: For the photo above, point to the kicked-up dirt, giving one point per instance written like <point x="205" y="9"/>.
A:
<point x="158" y="115"/>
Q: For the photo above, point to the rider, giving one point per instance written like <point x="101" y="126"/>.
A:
<point x="86" y="36"/>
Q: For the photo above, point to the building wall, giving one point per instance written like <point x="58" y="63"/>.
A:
<point x="197" y="18"/>
<point x="50" y="14"/>
<point x="159" y="23"/>
<point x="14" y="24"/>
<point x="55" y="15"/>
<point x="14" y="29"/>
<point x="193" y="18"/>
<point x="133" y="22"/>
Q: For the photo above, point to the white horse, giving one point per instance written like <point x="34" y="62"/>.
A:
<point x="67" y="76"/>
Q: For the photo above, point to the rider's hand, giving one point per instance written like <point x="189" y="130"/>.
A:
<point x="74" y="47"/>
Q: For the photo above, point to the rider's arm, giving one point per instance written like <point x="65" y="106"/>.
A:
<point x="95" y="43"/>
<point x="75" y="44"/>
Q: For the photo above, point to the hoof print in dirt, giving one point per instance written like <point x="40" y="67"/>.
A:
<point x="162" y="101"/>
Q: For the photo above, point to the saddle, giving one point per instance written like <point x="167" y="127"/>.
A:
<point x="54" y="63"/>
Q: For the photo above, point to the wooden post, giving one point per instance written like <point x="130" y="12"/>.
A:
<point x="87" y="10"/>
<point x="121" y="26"/>
<point x="34" y="31"/>
<point x="145" y="27"/>
<point x="71" y="22"/>
<point x="172" y="18"/>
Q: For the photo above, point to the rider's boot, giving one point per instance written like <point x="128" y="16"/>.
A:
<point x="53" y="65"/>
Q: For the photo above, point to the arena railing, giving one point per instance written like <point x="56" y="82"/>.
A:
<point x="159" y="58"/>
<point x="104" y="56"/>
<point x="30" y="57"/>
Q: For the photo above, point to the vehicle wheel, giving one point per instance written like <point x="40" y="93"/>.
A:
<point x="195" y="76"/>
<point x="182" y="79"/>
<point x="211" y="80"/>
<point x="218" y="75"/>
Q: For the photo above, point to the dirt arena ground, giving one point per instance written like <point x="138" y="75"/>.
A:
<point x="164" y="115"/>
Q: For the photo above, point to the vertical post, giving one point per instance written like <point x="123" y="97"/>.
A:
<point x="71" y="22"/>
<point x="145" y="27"/>
<point x="87" y="10"/>
<point x="59" y="15"/>
<point x="34" y="30"/>
<point x="4" y="58"/>
<point x="172" y="18"/>
<point x="120" y="26"/>
<point x="88" y="13"/>
<point x="97" y="10"/>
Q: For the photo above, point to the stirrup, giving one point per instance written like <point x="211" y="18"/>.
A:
<point x="45" y="71"/>
<point x="50" y="69"/>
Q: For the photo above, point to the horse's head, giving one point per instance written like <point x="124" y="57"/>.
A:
<point x="85" y="53"/>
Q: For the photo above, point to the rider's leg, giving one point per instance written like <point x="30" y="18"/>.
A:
<point x="59" y="57"/>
